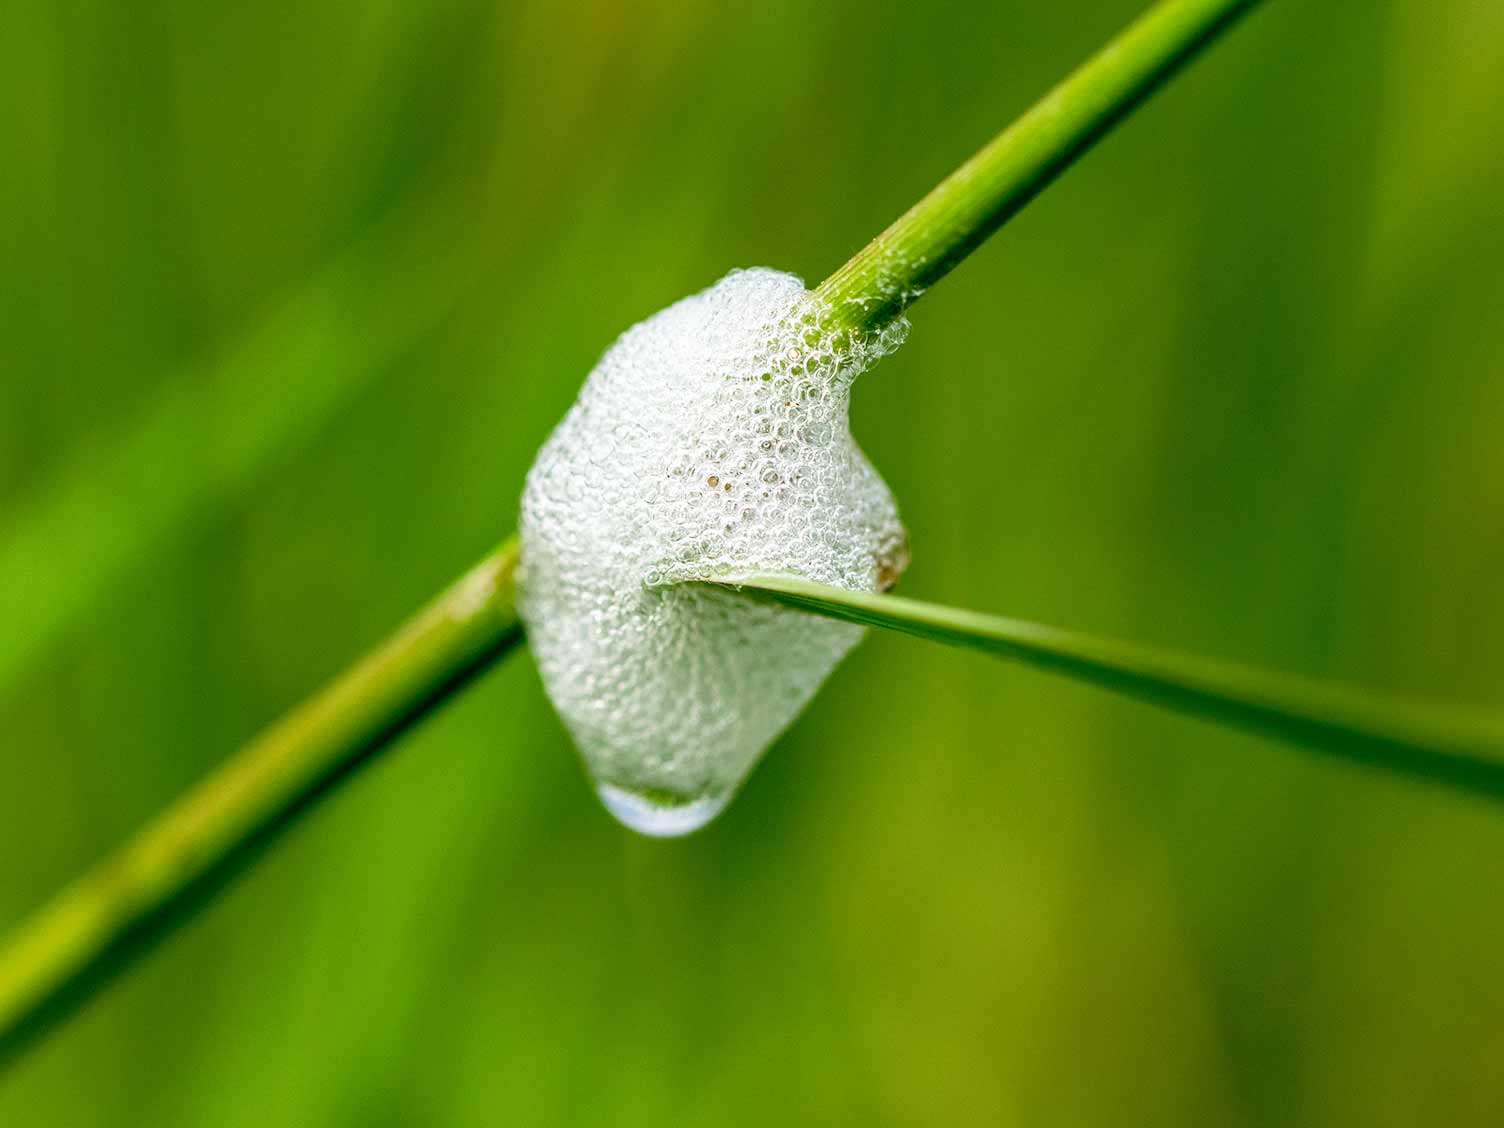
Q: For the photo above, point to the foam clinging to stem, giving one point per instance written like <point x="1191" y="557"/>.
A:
<point x="711" y="441"/>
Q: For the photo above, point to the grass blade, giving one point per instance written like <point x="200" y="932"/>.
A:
<point x="93" y="927"/>
<point x="927" y="241"/>
<point x="58" y="958"/>
<point x="1457" y="746"/>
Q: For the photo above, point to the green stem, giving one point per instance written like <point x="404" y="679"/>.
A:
<point x="928" y="240"/>
<point x="1463" y="748"/>
<point x="57" y="958"/>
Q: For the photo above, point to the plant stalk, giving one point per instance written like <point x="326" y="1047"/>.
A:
<point x="926" y="242"/>
<point x="93" y="926"/>
<point x="60" y="956"/>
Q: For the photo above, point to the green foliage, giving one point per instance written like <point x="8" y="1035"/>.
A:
<point x="63" y="953"/>
<point x="1458" y="746"/>
<point x="1231" y="385"/>
<point x="207" y="435"/>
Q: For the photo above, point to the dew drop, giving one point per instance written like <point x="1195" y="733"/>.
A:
<point x="660" y="816"/>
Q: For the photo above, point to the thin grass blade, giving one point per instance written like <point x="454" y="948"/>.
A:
<point x="60" y="956"/>
<point x="1457" y="746"/>
<point x="927" y="241"/>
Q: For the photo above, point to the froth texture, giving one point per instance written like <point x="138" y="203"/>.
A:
<point x="711" y="441"/>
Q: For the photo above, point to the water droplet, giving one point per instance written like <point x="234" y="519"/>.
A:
<point x="661" y="816"/>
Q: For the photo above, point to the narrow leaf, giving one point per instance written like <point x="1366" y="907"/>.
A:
<point x="1453" y="745"/>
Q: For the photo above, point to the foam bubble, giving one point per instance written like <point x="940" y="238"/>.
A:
<point x="711" y="441"/>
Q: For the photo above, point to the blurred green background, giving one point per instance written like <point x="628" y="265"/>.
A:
<point x="291" y="292"/>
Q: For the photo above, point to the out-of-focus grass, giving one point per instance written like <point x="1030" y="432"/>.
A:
<point x="205" y="438"/>
<point x="1270" y="434"/>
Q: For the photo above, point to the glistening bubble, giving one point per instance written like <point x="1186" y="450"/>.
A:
<point x="664" y="471"/>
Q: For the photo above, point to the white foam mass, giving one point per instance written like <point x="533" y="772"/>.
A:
<point x="711" y="441"/>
